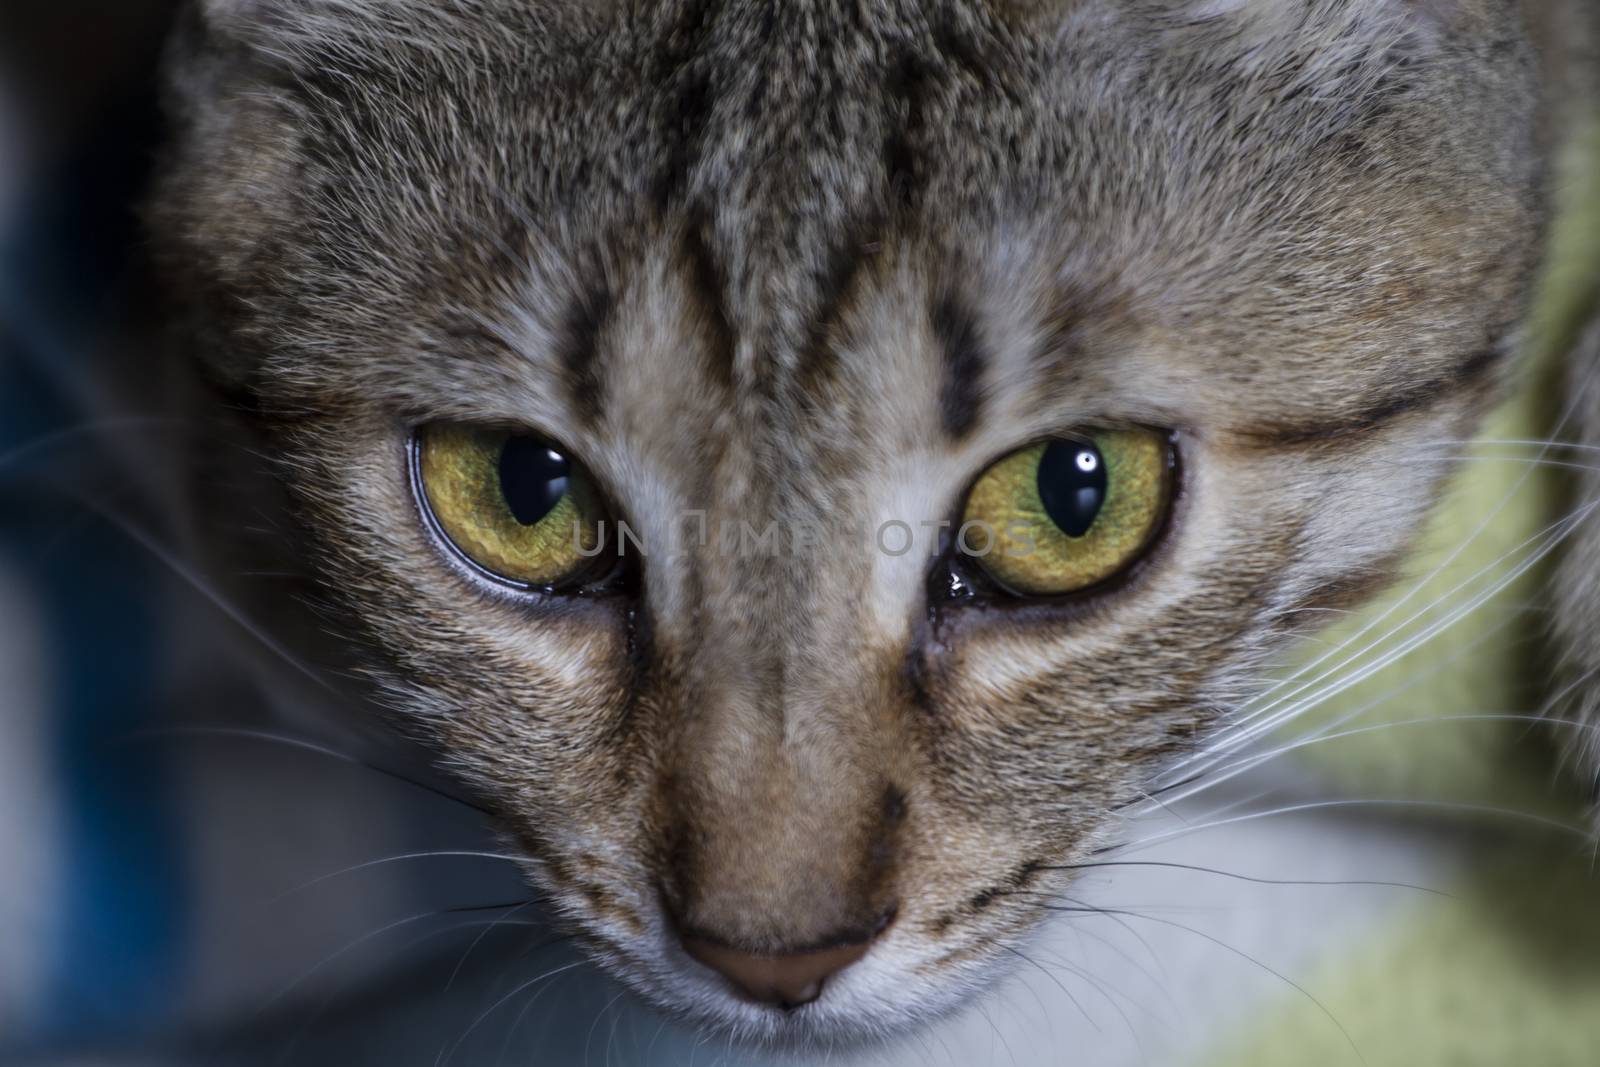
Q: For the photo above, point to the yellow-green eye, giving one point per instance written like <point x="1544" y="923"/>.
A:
<point x="1064" y="515"/>
<point x="511" y="503"/>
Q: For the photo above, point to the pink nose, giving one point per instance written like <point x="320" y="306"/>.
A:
<point x="784" y="981"/>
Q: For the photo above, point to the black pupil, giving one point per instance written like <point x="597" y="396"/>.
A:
<point x="533" y="478"/>
<point x="1072" y="485"/>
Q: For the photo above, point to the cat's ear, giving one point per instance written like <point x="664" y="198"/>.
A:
<point x="237" y="16"/>
<point x="222" y="11"/>
<point x="230" y="135"/>
<point x="214" y="44"/>
<point x="221" y="23"/>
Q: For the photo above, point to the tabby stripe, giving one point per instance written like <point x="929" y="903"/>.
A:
<point x="1346" y="590"/>
<point x="581" y="371"/>
<point x="906" y="87"/>
<point x="685" y="96"/>
<point x="708" y="283"/>
<point x="834" y="283"/>
<point x="961" y="392"/>
<point x="1474" y="373"/>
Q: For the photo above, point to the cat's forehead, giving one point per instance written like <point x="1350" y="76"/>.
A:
<point x="1235" y="178"/>
<point x="808" y="122"/>
<point x="803" y="136"/>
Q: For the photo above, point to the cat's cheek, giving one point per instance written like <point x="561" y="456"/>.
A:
<point x="519" y="679"/>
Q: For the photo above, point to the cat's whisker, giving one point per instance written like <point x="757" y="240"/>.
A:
<point x="1543" y="445"/>
<point x="1274" y="715"/>
<point x="1396" y="803"/>
<point x="920" y="1036"/>
<point x="1161" y="982"/>
<point x="1214" y="774"/>
<point x="1059" y="985"/>
<point x="285" y="1056"/>
<point x="1257" y="880"/>
<point x="370" y="935"/>
<point x="1127" y="928"/>
<point x="446" y="1054"/>
<point x="1279" y="613"/>
<point x="983" y="1010"/>
<point x="1531" y="461"/>
<point x="1234" y="736"/>
<point x="616" y="1022"/>
<point x="447" y="853"/>
<point x="1110" y="991"/>
<point x="1236" y="804"/>
<point x="528" y="1005"/>
<point x="269" y="737"/>
<point x="485" y="932"/>
<point x="90" y="430"/>
<point x="1255" y="760"/>
<point x="1416" y="588"/>
<point x="1246" y="726"/>
<point x="599" y="1015"/>
<point x="192" y="578"/>
<point x="1559" y="697"/>
<point x="1080" y="907"/>
<point x="1418" y="640"/>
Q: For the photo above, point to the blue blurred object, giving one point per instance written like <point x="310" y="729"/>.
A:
<point x="67" y="265"/>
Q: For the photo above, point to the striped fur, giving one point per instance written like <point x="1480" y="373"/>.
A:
<point x="819" y="263"/>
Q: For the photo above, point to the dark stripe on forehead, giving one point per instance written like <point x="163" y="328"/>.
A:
<point x="906" y="87"/>
<point x="1475" y="373"/>
<point x="579" y="352"/>
<point x="686" y="111"/>
<point x="709" y="285"/>
<point x="833" y="283"/>
<point x="685" y="96"/>
<point x="961" y="386"/>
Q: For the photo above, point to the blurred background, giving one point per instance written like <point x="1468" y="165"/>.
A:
<point x="209" y="855"/>
<point x="150" y="840"/>
<point x="77" y="118"/>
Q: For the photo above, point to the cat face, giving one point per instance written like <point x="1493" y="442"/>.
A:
<point x="782" y="284"/>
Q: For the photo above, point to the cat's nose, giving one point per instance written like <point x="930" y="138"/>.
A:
<point x="785" y="980"/>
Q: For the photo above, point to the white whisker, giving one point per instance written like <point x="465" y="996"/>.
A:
<point x="1415" y="589"/>
<point x="1241" y="733"/>
<point x="431" y="854"/>
<point x="446" y="1054"/>
<point x="1213" y="775"/>
<point x="1257" y="759"/>
<point x="1455" y="807"/>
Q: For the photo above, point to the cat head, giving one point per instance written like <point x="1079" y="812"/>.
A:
<point x="819" y="299"/>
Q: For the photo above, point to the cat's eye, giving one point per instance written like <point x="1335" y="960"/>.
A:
<point x="513" y="504"/>
<point x="1064" y="515"/>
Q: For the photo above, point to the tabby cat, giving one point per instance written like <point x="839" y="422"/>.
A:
<point x="806" y="464"/>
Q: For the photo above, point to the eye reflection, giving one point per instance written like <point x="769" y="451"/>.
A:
<point x="533" y="478"/>
<point x="1072" y="485"/>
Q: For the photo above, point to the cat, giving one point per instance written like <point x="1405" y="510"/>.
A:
<point x="955" y="406"/>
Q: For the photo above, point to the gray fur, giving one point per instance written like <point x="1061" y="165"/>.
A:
<point x="703" y="245"/>
<point x="1575" y="585"/>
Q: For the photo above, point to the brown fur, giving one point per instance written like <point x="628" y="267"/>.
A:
<point x="818" y="262"/>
